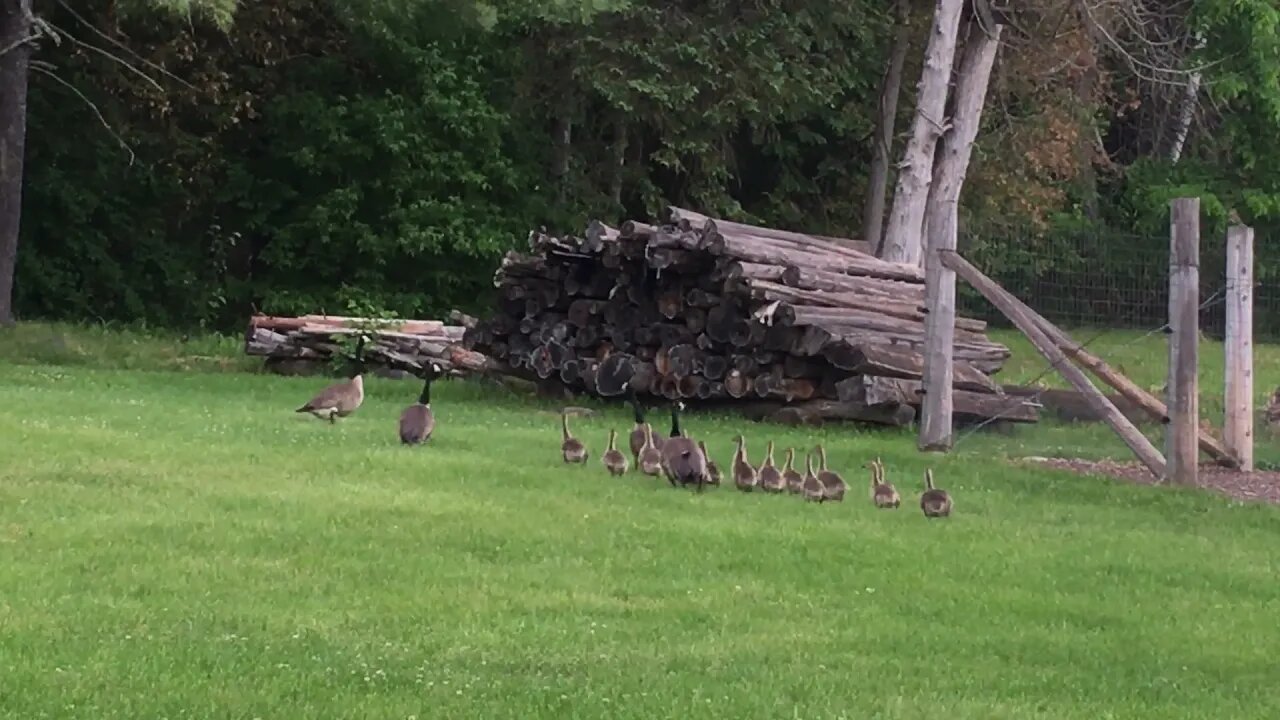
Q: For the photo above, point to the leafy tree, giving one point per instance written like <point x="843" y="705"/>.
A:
<point x="20" y="30"/>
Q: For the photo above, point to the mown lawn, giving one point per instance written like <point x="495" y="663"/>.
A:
<point x="178" y="543"/>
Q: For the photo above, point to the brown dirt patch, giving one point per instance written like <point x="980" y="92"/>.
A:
<point x="1257" y="486"/>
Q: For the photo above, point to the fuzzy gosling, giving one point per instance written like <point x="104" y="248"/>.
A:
<point x="572" y="449"/>
<point x="614" y="461"/>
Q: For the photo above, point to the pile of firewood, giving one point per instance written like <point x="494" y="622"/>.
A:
<point x="406" y="345"/>
<point x="804" y="327"/>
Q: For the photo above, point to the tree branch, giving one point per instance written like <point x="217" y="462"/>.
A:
<point x="47" y="70"/>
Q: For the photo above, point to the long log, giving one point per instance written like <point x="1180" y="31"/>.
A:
<point x="1131" y="391"/>
<point x="878" y="391"/>
<point x="689" y="219"/>
<point x="894" y="362"/>
<point x="1017" y="313"/>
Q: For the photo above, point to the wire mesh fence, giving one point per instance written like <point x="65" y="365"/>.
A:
<point x="1085" y="277"/>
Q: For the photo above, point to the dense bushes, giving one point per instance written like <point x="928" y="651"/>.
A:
<point x="323" y="156"/>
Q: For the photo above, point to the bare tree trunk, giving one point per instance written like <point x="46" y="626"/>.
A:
<point x="1186" y="111"/>
<point x="890" y="89"/>
<point x="15" y="62"/>
<point x="903" y="237"/>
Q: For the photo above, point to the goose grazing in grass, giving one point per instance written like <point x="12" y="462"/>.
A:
<point x="417" y="422"/>
<point x="771" y="480"/>
<point x="744" y="475"/>
<point x="614" y="461"/>
<point x="713" y="469"/>
<point x="883" y="494"/>
<point x="573" y="450"/>
<point x="342" y="398"/>
<point x="650" y="458"/>
<point x="639" y="433"/>
<point x="795" y="481"/>
<point x="933" y="501"/>
<point x="812" y="487"/>
<point x="682" y="460"/>
<point x="833" y="486"/>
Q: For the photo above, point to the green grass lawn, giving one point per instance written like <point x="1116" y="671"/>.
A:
<point x="176" y="542"/>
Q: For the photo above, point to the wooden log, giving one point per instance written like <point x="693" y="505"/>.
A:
<point x="755" y="249"/>
<point x="819" y="412"/>
<point x="635" y="229"/>
<point x="1237" y="430"/>
<point x="614" y="374"/>
<point x="765" y="290"/>
<point x="820" y="280"/>
<point x="691" y="220"/>
<point x="1182" y="432"/>
<point x="868" y="359"/>
<point x="882" y="391"/>
<point x="1010" y="307"/>
<point x="1131" y="393"/>
<point x="714" y="367"/>
<point x="736" y="384"/>
<point x="416" y="327"/>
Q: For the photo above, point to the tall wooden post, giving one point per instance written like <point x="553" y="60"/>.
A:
<point x="944" y="200"/>
<point x="1182" y="432"/>
<point x="1238" y="421"/>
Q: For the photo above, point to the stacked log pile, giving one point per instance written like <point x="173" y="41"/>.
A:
<point x="406" y="345"/>
<point x="804" y="327"/>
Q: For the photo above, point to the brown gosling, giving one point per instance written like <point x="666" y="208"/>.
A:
<point x="933" y="501"/>
<point x="713" y="469"/>
<point x="682" y="459"/>
<point x="342" y="398"/>
<point x="744" y="475"/>
<point x="771" y="480"/>
<point x="833" y="486"/>
<point x="795" y="481"/>
<point x="573" y="449"/>
<point x="883" y="494"/>
<point x="417" y="422"/>
<point x="614" y="461"/>
<point x="812" y="486"/>
<point x="638" y="433"/>
<point x="650" y="458"/>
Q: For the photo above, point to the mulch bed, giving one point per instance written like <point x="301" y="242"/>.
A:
<point x="1257" y="486"/>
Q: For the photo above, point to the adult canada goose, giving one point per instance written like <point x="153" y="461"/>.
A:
<point x="417" y="422"/>
<point x="342" y="398"/>
<point x="833" y="486"/>
<point x="793" y="478"/>
<point x="883" y="494"/>
<point x="713" y="469"/>
<point x="573" y="450"/>
<point x="614" y="461"/>
<point x="813" y="491"/>
<point x="745" y="476"/>
<point x="638" y="433"/>
<point x="771" y="480"/>
<point x="933" y="501"/>
<point x="681" y="458"/>
<point x="650" y="459"/>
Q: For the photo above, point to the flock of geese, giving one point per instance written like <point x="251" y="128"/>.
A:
<point x="678" y="457"/>
<point x="685" y="462"/>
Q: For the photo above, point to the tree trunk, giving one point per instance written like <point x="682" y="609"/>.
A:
<point x="941" y="223"/>
<point x="1186" y="111"/>
<point x="903" y="237"/>
<point x="890" y="89"/>
<point x="15" y="27"/>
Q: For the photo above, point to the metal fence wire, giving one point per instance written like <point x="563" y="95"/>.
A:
<point x="1091" y="278"/>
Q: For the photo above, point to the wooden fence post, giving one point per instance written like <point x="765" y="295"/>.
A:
<point x="1182" y="432"/>
<point x="939" y="341"/>
<point x="1237" y="426"/>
